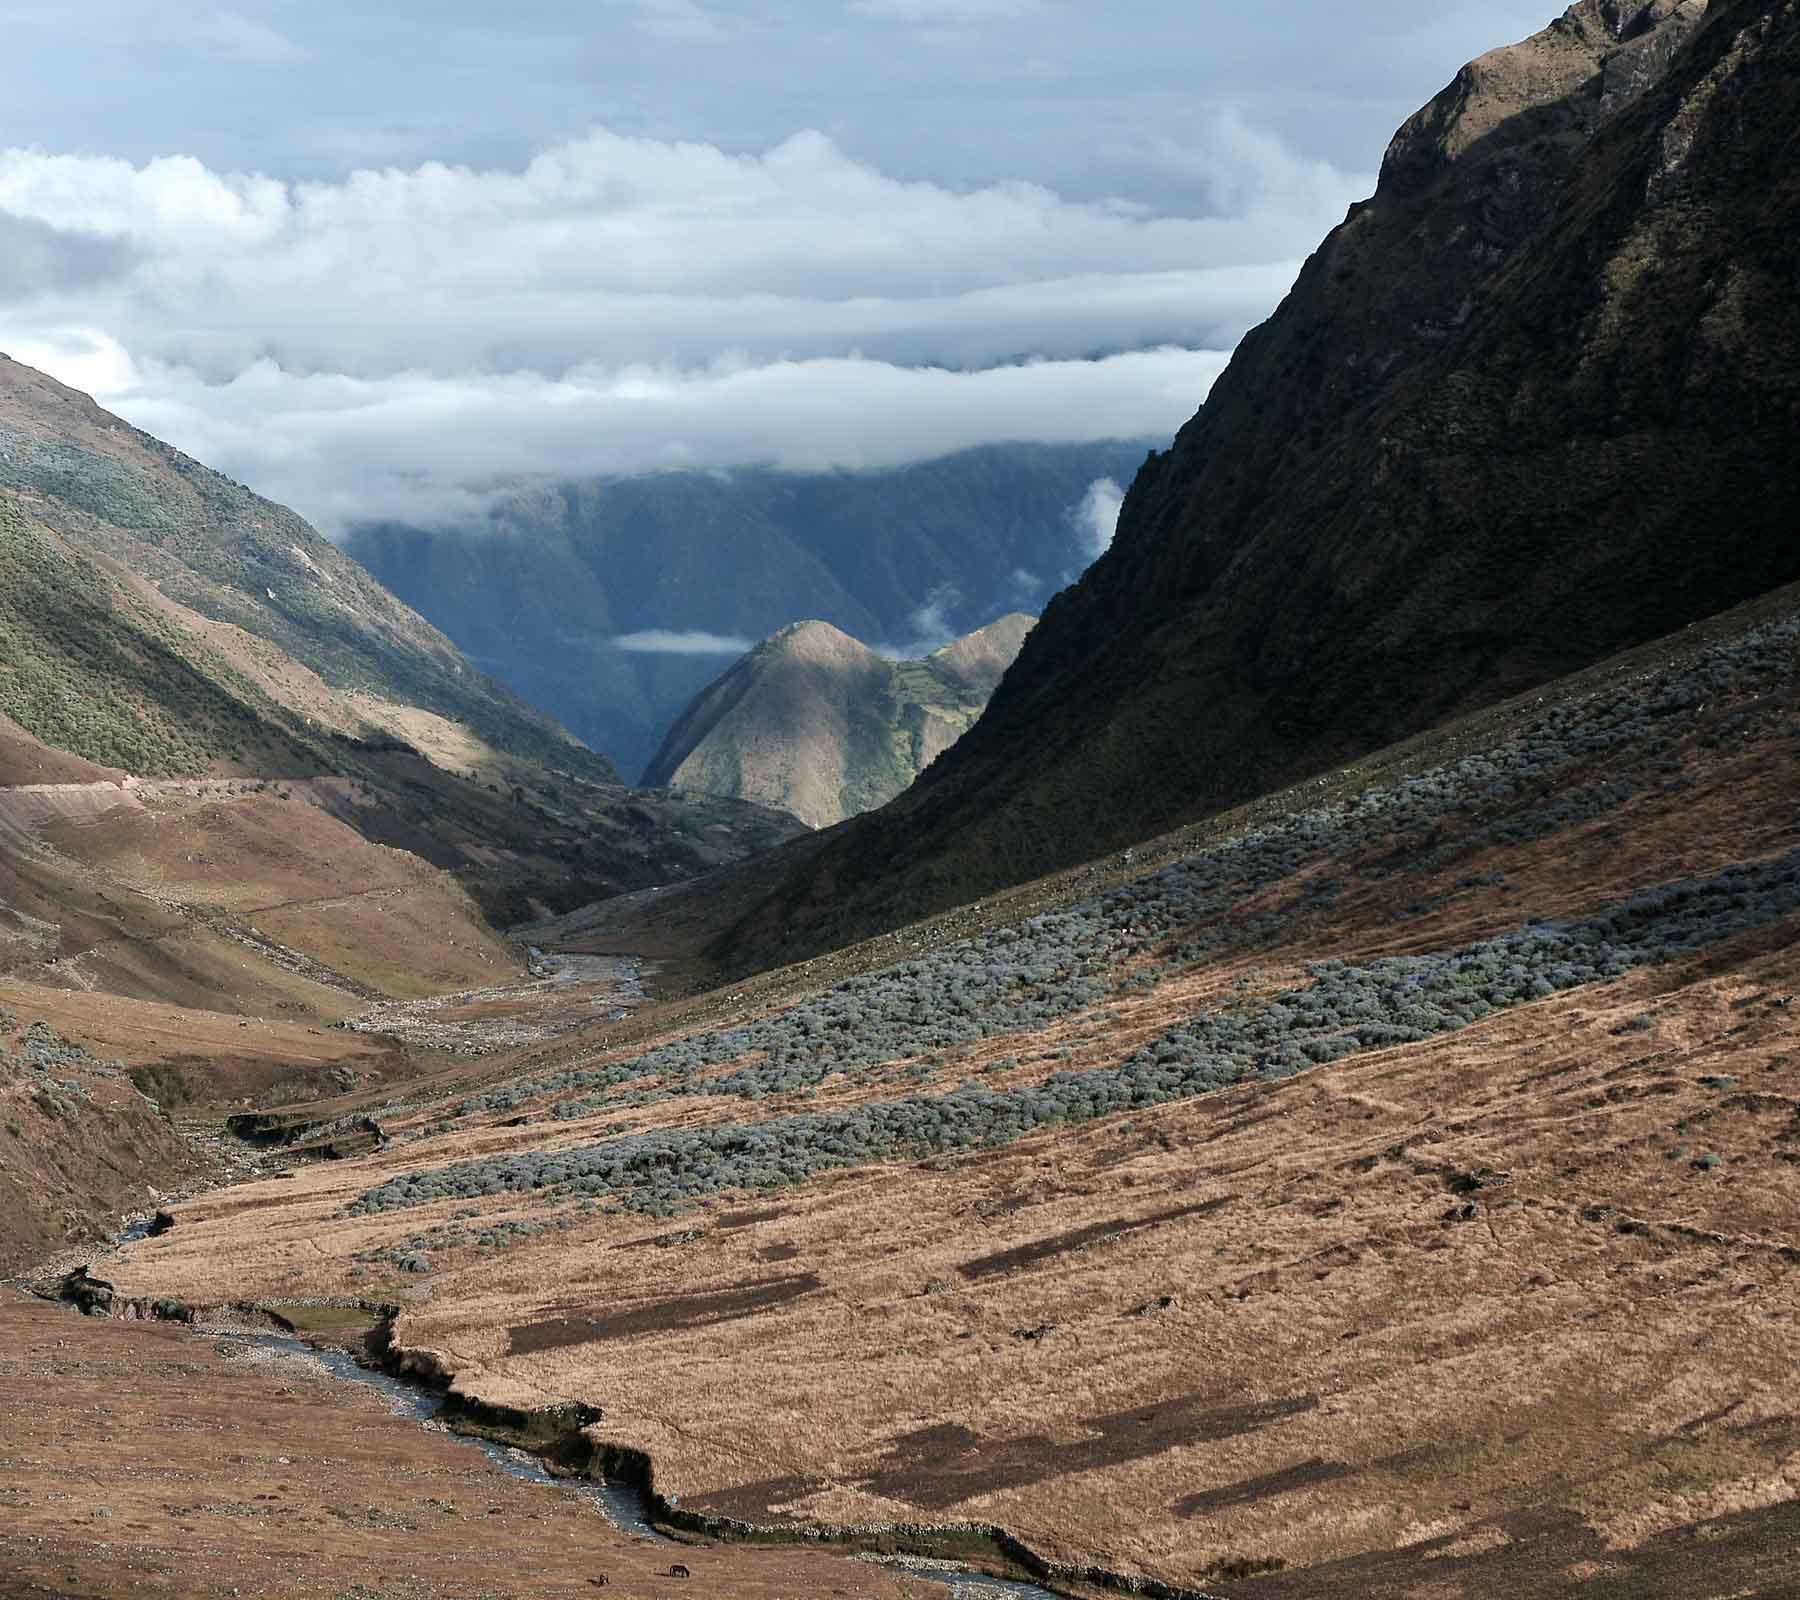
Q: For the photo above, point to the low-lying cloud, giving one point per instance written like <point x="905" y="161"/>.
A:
<point x="669" y="642"/>
<point x="441" y="450"/>
<point x="406" y="341"/>
<point x="1096" y="517"/>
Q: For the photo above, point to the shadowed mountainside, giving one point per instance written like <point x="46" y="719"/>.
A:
<point x="1536" y="400"/>
<point x="816" y="723"/>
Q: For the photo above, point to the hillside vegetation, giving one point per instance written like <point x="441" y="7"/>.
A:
<point x="226" y="554"/>
<point x="816" y="723"/>
<point x="92" y="670"/>
<point x="159" y="620"/>
<point x="1536" y="400"/>
<point x="1352" y="1194"/>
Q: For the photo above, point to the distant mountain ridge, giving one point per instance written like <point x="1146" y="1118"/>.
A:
<point x="538" y="593"/>
<point x="815" y="723"/>
<point x="1537" y="400"/>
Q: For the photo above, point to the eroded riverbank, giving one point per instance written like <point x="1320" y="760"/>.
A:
<point x="350" y="1346"/>
<point x="140" y="1458"/>
<point x="626" y="1503"/>
<point x="555" y="1447"/>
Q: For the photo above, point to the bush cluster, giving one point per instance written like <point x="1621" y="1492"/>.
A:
<point x="1344" y="1010"/>
<point x="1021" y="978"/>
<point x="1057" y="965"/>
<point x="414" y="1254"/>
<point x="40" y="1055"/>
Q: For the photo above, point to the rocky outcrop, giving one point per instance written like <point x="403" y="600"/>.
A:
<point x="95" y="1297"/>
<point x="90" y="1295"/>
<point x="307" y="1138"/>
<point x="815" y="723"/>
<point x="1535" y="401"/>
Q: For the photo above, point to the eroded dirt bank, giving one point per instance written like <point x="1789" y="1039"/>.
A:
<point x="572" y="1436"/>
<point x="142" y="1459"/>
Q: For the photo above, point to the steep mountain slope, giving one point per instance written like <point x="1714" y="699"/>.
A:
<point x="814" y="722"/>
<point x="538" y="595"/>
<point x="160" y="621"/>
<point x="1537" y="399"/>
<point x="116" y="495"/>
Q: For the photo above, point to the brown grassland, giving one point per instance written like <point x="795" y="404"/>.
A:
<point x="170" y="1466"/>
<point x="1512" y="1309"/>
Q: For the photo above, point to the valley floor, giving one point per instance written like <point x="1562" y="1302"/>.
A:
<point x="1392" y="1191"/>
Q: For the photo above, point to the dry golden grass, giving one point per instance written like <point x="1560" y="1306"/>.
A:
<point x="1468" y="1317"/>
<point x="1346" y="1362"/>
<point x="168" y="1467"/>
<point x="143" y="1032"/>
<point x="176" y="872"/>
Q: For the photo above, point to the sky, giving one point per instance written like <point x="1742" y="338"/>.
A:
<point x="386" y="265"/>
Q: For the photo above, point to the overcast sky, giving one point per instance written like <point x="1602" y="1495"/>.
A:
<point x="376" y="264"/>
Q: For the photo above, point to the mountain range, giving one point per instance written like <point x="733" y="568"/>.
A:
<point x="586" y="597"/>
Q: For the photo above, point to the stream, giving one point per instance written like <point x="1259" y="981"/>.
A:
<point x="620" y="1503"/>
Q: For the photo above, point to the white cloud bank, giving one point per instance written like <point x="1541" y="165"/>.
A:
<point x="404" y="342"/>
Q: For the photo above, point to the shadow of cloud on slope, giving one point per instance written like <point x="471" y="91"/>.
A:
<point x="938" y="1467"/>
<point x="699" y="1310"/>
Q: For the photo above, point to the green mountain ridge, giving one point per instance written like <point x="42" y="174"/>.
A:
<point x="221" y="550"/>
<point x="816" y="723"/>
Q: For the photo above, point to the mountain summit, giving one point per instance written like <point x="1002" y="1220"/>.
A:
<point x="1536" y="400"/>
<point x="816" y="723"/>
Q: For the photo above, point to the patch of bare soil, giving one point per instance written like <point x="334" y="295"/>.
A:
<point x="566" y="993"/>
<point x="699" y="1310"/>
<point x="26" y="760"/>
